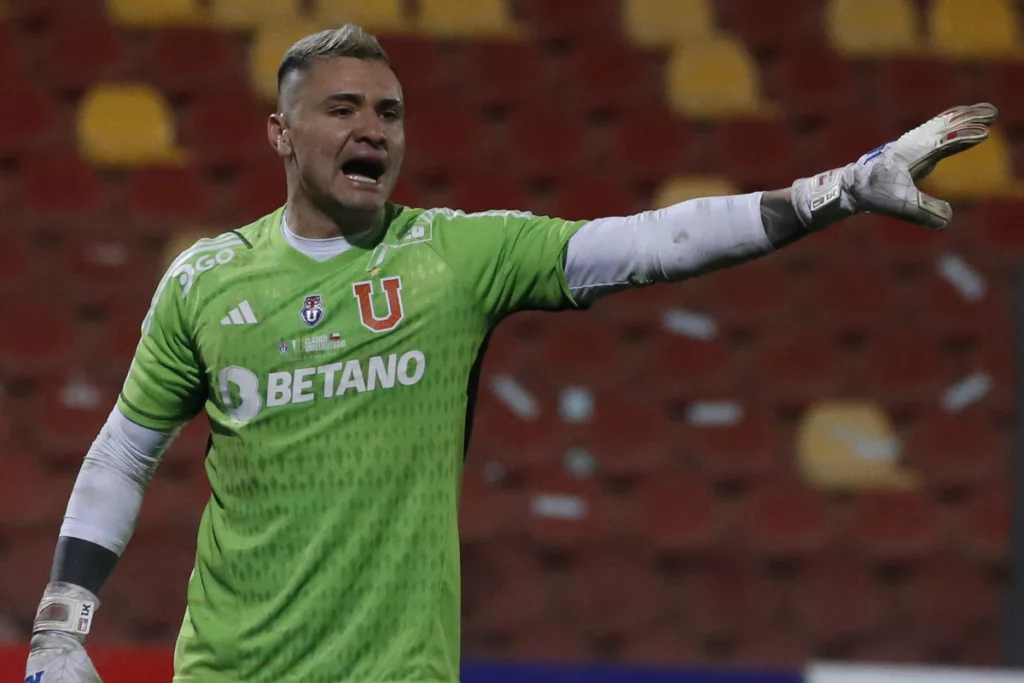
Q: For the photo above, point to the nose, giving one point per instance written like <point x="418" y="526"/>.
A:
<point x="370" y="130"/>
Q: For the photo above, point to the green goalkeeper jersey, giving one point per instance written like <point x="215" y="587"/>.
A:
<point x="337" y="393"/>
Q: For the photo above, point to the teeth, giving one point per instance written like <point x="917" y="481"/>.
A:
<point x="356" y="178"/>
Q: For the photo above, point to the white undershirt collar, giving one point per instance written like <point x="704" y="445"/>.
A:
<point x="319" y="249"/>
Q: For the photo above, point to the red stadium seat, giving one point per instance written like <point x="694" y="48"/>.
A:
<point x="948" y="599"/>
<point x="22" y="353"/>
<point x="80" y="51"/>
<point x="170" y="194"/>
<point x="750" y="449"/>
<point x="28" y="117"/>
<point x="949" y="313"/>
<point x="503" y="74"/>
<point x="850" y="297"/>
<point x="586" y="197"/>
<point x="666" y="646"/>
<point x="420" y="67"/>
<point x="957" y="451"/>
<point x="186" y="456"/>
<point x="576" y="349"/>
<point x="512" y="442"/>
<point x="612" y="77"/>
<point x="838" y="600"/>
<point x="192" y="60"/>
<point x="784" y="518"/>
<point x="612" y="594"/>
<point x="259" y="190"/>
<point x="633" y="155"/>
<point x="227" y="127"/>
<point x="685" y="367"/>
<point x="727" y="597"/>
<point x="994" y="357"/>
<point x="982" y="527"/>
<point x="487" y="510"/>
<point x="847" y="136"/>
<point x="104" y="268"/>
<point x="906" y="368"/>
<point x="999" y="227"/>
<point x="18" y="261"/>
<point x="773" y="650"/>
<point x="915" y="89"/>
<point x="678" y="513"/>
<point x="121" y="333"/>
<point x="901" y="243"/>
<point x="59" y="185"/>
<point x="770" y="25"/>
<point x="486" y="189"/>
<point x="566" y="513"/>
<point x="798" y="368"/>
<point x="173" y="505"/>
<point x="757" y="153"/>
<point x="757" y="295"/>
<point x="29" y="492"/>
<point x="628" y="435"/>
<point x="1003" y="77"/>
<point x="50" y="10"/>
<point x="60" y="401"/>
<point x="550" y="642"/>
<point x="802" y="90"/>
<point x="12" y="49"/>
<point x="503" y="588"/>
<point x="575" y="20"/>
<point x="896" y="526"/>
<point x="545" y="143"/>
<point x="150" y="582"/>
<point x="22" y="581"/>
<point x="440" y="140"/>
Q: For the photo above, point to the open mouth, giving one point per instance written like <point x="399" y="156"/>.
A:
<point x="368" y="171"/>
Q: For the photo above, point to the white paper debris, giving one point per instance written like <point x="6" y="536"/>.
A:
<point x="576" y="405"/>
<point x="965" y="279"/>
<point x="690" y="324"/>
<point x="579" y="462"/>
<point x="970" y="389"/>
<point x="558" y="506"/>
<point x="515" y="396"/>
<point x="714" y="413"/>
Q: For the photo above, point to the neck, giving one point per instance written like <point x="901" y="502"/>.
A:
<point x="311" y="222"/>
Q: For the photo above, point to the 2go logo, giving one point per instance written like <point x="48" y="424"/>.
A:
<point x="187" y="272"/>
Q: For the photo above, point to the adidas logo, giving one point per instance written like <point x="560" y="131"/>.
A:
<point x="240" y="315"/>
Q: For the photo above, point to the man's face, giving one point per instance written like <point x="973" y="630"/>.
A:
<point x="343" y="121"/>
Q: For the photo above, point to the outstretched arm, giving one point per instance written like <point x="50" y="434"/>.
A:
<point x="702" y="235"/>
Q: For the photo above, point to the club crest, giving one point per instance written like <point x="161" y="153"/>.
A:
<point x="312" y="310"/>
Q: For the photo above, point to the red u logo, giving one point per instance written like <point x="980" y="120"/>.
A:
<point x="363" y="292"/>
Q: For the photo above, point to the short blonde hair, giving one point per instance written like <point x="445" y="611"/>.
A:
<point x="347" y="41"/>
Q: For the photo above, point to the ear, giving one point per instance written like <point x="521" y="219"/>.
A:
<point x="278" y="134"/>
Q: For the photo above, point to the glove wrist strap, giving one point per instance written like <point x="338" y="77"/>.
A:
<point x="818" y="200"/>
<point x="66" y="607"/>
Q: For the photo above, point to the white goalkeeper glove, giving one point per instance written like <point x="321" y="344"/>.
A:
<point x="882" y="181"/>
<point x="57" y="652"/>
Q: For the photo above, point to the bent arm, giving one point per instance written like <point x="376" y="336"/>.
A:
<point x="106" y="499"/>
<point x="678" y="242"/>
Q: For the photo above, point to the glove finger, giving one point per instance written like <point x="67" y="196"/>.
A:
<point x="931" y="212"/>
<point x="947" y="144"/>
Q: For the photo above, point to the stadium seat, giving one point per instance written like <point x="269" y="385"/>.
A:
<point x="513" y="442"/>
<point x="948" y="598"/>
<point x="24" y="354"/>
<point x="686" y="367"/>
<point x="784" y="518"/>
<point x="746" y="451"/>
<point x="22" y="582"/>
<point x="502" y="74"/>
<point x="982" y="527"/>
<point x="873" y="28"/>
<point x="764" y="26"/>
<point x="572" y="20"/>
<point x="958" y="451"/>
<point x="950" y="313"/>
<point x="487" y="510"/>
<point x="846" y="445"/>
<point x="605" y="361"/>
<point x="612" y="594"/>
<point x="171" y="194"/>
<point x="81" y="51"/>
<point x="681" y="189"/>
<point x="613" y="77"/>
<point x="486" y="189"/>
<point x="797" y="368"/>
<point x="259" y="190"/>
<point x="270" y="41"/>
<point x="194" y="60"/>
<point x="727" y="596"/>
<point x="1003" y="77"/>
<point x="974" y="29"/>
<point x="545" y="142"/>
<point x="107" y="266"/>
<point x="633" y="155"/>
<point x="459" y="19"/>
<point x="658" y="24"/>
<point x="79" y="405"/>
<point x="127" y="125"/>
<point x="998" y="227"/>
<point x="256" y="14"/>
<point x="172" y="505"/>
<point x="440" y="140"/>
<point x="52" y="10"/>
<point x="380" y="15"/>
<point x="550" y="641"/>
<point x="18" y="261"/>
<point x="994" y="356"/>
<point x="905" y="368"/>
<point x="677" y="513"/>
<point x="901" y="244"/>
<point x="839" y="600"/>
<point x="503" y="588"/>
<point x="894" y="526"/>
<point x="984" y="171"/>
<point x="773" y="650"/>
<point x="849" y="297"/>
<point x="422" y="67"/>
<point x="28" y="117"/>
<point x="714" y="78"/>
<point x="227" y="128"/>
<point x="591" y="196"/>
<point x="21" y="505"/>
<point x="801" y="90"/>
<point x="664" y="646"/>
<point x="751" y="297"/>
<point x="155" y="12"/>
<point x="120" y="335"/>
<point x="59" y="185"/>
<point x="756" y="153"/>
<point x="916" y="89"/>
<point x="845" y="137"/>
<point x="12" y="49"/>
<point x="566" y="513"/>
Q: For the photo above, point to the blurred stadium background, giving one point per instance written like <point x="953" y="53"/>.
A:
<point x="803" y="459"/>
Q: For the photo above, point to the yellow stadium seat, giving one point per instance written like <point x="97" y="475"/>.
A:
<point x="850" y="445"/>
<point x="974" y="29"/>
<point x="657" y="23"/>
<point x="268" y="47"/>
<point x="459" y="18"/>
<point x="984" y="171"/>
<point x="676" y="190"/>
<point x="868" y="28"/>
<point x="714" y="78"/>
<point x="155" y="12"/>
<point x="373" y="15"/>
<point x="245" y="14"/>
<point x="127" y="125"/>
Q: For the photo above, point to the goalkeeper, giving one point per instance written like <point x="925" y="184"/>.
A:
<point x="335" y="346"/>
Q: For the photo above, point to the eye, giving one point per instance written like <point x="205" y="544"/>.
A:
<point x="390" y="115"/>
<point x="341" y="111"/>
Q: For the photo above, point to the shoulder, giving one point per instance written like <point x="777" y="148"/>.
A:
<point x="423" y="224"/>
